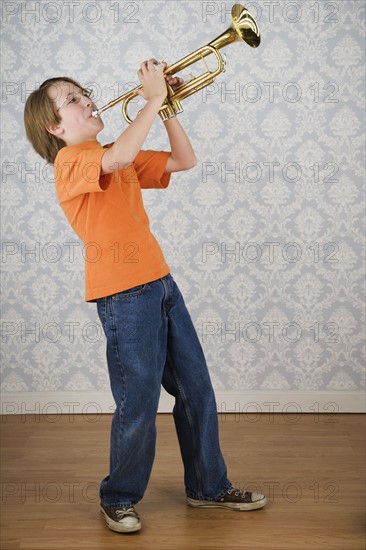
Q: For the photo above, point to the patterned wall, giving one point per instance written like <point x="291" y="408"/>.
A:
<point x="264" y="236"/>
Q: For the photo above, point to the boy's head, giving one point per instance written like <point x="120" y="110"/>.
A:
<point x="58" y="114"/>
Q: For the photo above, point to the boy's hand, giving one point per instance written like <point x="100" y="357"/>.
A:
<point x="173" y="81"/>
<point x="150" y="75"/>
<point x="152" y="80"/>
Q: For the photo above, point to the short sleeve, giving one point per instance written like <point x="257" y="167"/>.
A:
<point x="150" y="169"/>
<point x="78" y="171"/>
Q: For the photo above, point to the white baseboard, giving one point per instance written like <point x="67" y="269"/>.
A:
<point x="234" y="402"/>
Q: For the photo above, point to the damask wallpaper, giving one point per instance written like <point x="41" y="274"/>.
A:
<point x="264" y="236"/>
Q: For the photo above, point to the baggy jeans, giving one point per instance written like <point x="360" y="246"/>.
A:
<point x="151" y="341"/>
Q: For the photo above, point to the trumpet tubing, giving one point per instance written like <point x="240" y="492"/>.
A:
<point x="243" y="28"/>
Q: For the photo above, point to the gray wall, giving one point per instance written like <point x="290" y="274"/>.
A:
<point x="264" y="236"/>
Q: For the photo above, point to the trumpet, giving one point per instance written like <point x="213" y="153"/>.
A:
<point x="243" y="28"/>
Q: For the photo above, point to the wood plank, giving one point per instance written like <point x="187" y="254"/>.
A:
<point x="310" y="468"/>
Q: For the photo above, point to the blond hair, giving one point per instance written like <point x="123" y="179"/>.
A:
<point x="39" y="113"/>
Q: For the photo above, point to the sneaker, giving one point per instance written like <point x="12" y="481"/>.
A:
<point x="232" y="500"/>
<point x="123" y="520"/>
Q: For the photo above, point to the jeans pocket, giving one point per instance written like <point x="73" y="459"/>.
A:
<point x="130" y="292"/>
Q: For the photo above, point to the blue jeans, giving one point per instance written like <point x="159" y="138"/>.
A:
<point x="151" y="341"/>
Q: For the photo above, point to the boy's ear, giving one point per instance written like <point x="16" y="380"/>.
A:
<point x="55" y="130"/>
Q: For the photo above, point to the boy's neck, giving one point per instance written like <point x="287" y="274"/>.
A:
<point x="77" y="142"/>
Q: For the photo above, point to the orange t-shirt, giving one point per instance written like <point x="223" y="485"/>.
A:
<point x="107" y="213"/>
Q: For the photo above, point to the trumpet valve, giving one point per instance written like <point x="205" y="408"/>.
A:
<point x="170" y="108"/>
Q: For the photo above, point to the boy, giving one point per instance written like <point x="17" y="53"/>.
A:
<point x="150" y="336"/>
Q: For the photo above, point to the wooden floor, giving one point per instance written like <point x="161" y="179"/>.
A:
<point x="310" y="467"/>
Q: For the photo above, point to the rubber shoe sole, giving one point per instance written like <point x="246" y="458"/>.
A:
<point x="241" y="507"/>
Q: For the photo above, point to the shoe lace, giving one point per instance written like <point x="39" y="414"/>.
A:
<point x="236" y="493"/>
<point x="123" y="512"/>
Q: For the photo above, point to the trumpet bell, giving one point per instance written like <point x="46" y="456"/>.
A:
<point x="243" y="28"/>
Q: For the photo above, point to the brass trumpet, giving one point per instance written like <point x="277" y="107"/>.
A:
<point x="243" y="28"/>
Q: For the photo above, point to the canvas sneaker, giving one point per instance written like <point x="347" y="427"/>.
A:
<point x="232" y="500"/>
<point x="123" y="520"/>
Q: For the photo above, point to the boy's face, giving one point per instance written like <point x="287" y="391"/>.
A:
<point x="75" y="108"/>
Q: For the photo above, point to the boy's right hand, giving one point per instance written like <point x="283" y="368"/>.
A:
<point x="152" y="80"/>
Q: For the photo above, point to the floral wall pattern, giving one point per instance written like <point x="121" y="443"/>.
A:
<point x="264" y="236"/>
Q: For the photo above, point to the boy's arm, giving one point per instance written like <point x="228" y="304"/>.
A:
<point x="182" y="156"/>
<point x="126" y="147"/>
